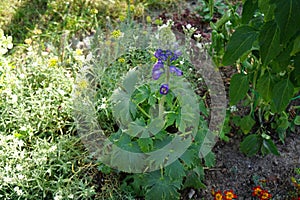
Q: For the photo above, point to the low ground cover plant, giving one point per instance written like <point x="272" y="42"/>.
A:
<point x="40" y="156"/>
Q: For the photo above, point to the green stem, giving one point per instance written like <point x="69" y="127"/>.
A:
<point x="143" y="111"/>
<point x="163" y="99"/>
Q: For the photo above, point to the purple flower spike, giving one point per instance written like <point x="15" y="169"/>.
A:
<point x="175" y="70"/>
<point x="160" y="55"/>
<point x="159" y="65"/>
<point x="164" y="89"/>
<point x="156" y="74"/>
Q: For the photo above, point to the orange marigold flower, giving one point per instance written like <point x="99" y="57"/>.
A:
<point x="265" y="195"/>
<point x="229" y="195"/>
<point x="257" y="191"/>
<point x="218" y="195"/>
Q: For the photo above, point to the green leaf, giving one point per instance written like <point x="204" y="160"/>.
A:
<point x="175" y="170"/>
<point x="297" y="120"/>
<point x="189" y="157"/>
<point x="249" y="8"/>
<point x="269" y="42"/>
<point x="130" y="81"/>
<point x="239" y="86"/>
<point x="251" y="144"/>
<point x="146" y="144"/>
<point x="246" y="124"/>
<point x="287" y="16"/>
<point x="121" y="99"/>
<point x="240" y="43"/>
<point x="210" y="159"/>
<point x="162" y="188"/>
<point x="267" y="9"/>
<point x="296" y="47"/>
<point x="193" y="180"/>
<point x="295" y="74"/>
<point x="141" y="94"/>
<point x="138" y="129"/>
<point x="270" y="147"/>
<point x="203" y="108"/>
<point x="281" y="95"/>
<point x="265" y="86"/>
<point x="170" y="119"/>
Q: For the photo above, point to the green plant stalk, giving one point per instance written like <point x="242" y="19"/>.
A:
<point x="163" y="99"/>
<point x="143" y="111"/>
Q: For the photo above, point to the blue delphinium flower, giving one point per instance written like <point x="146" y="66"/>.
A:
<point x="162" y="56"/>
<point x="165" y="57"/>
<point x="158" y="69"/>
<point x="164" y="89"/>
<point x="176" y="71"/>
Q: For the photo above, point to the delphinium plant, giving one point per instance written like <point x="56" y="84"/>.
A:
<point x="156" y="128"/>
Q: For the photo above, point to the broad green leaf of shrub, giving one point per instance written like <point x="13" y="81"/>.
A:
<point x="246" y="124"/>
<point x="267" y="9"/>
<point x="265" y="86"/>
<point x="269" y="41"/>
<point x="240" y="43"/>
<point x="295" y="74"/>
<point x="296" y="47"/>
<point x="287" y="16"/>
<point x="249" y="8"/>
<point x="269" y="147"/>
<point x="251" y="144"/>
<point x="281" y="95"/>
<point x="162" y="187"/>
<point x="239" y="86"/>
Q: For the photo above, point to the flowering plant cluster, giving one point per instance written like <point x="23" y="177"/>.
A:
<point x="261" y="193"/>
<point x="227" y="195"/>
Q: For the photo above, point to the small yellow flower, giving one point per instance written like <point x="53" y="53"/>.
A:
<point x="148" y="19"/>
<point x="121" y="60"/>
<point x="83" y="84"/>
<point x="94" y="11"/>
<point x="116" y="34"/>
<point x="132" y="7"/>
<point x="78" y="52"/>
<point x="28" y="41"/>
<point x="52" y="62"/>
<point x="37" y="31"/>
<point x="122" y="18"/>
